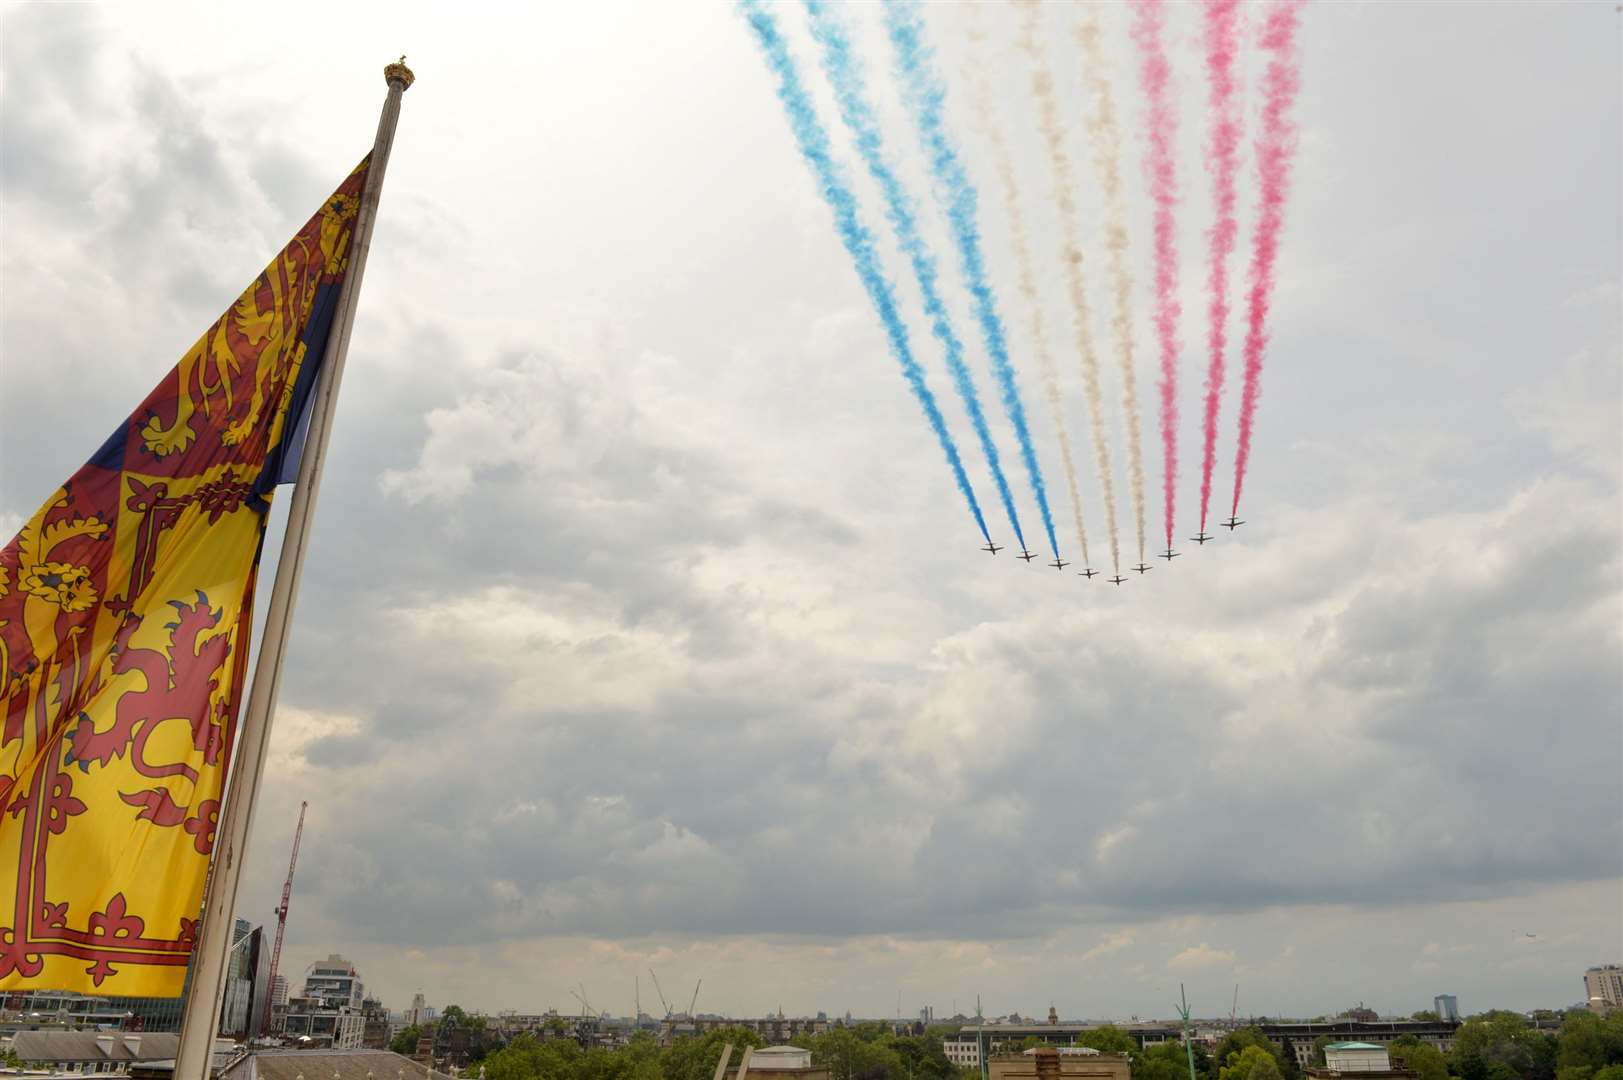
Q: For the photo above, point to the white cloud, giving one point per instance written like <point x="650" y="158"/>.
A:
<point x="1201" y="957"/>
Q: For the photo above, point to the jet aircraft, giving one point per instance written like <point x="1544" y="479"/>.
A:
<point x="1202" y="538"/>
<point x="1231" y="524"/>
<point x="1026" y="555"/>
<point x="1087" y="573"/>
<point x="1169" y="555"/>
<point x="1117" y="580"/>
<point x="1141" y="568"/>
<point x="993" y="548"/>
<point x="1059" y="563"/>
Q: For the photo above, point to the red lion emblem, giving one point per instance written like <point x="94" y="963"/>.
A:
<point x="180" y="685"/>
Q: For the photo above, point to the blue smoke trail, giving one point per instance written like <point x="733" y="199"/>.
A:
<point x="851" y="92"/>
<point x="813" y="141"/>
<point x="924" y="94"/>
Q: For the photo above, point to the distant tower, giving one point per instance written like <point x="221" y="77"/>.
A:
<point x="1447" y="1007"/>
<point x="1053" y="1017"/>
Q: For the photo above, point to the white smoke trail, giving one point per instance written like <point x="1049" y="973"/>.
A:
<point x="1020" y="240"/>
<point x="1104" y="134"/>
<point x="1042" y="90"/>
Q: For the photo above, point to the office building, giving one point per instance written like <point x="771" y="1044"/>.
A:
<point x="335" y="981"/>
<point x="1447" y="1008"/>
<point x="1603" y="987"/>
<point x="1296" y="1039"/>
<point x="969" y="1045"/>
<point x="329" y="1013"/>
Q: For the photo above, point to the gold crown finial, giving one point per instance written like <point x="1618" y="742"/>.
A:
<point x="398" y="71"/>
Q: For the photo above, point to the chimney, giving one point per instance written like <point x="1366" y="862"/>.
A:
<point x="1047" y="1063"/>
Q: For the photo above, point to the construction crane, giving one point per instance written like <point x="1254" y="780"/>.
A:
<point x="695" y="1000"/>
<point x="661" y="994"/>
<point x="585" y="1006"/>
<point x="281" y="918"/>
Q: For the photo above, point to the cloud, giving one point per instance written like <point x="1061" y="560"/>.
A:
<point x="1201" y="958"/>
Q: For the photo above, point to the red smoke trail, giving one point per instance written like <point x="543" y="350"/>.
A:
<point x="1222" y="159"/>
<point x="1276" y="146"/>
<point x="1155" y="72"/>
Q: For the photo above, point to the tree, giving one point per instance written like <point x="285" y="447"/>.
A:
<point x="1237" y="1041"/>
<point x="1426" y="1015"/>
<point x="695" y="1057"/>
<point x="528" y="1058"/>
<point x="1420" y="1057"/>
<point x="1590" y="1040"/>
<point x="1501" y="1046"/>
<point x="405" y="1043"/>
<point x="1250" y="1063"/>
<point x="1108" y="1039"/>
<point x="849" y="1056"/>
<point x="1167" y="1061"/>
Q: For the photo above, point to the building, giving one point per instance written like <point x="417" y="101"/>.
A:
<point x="969" y="1045"/>
<point x="1059" y="1063"/>
<point x="774" y="1029"/>
<point x="375" y="1028"/>
<point x="335" y="981"/>
<point x="238" y="991"/>
<point x="326" y="1065"/>
<point x="39" y="1009"/>
<point x="315" y="1026"/>
<point x="328" y="1015"/>
<point x="91" y="1051"/>
<point x="1447" y="1008"/>
<point x="1296" y="1038"/>
<point x="1356" y="1057"/>
<point x="962" y="1052"/>
<point x="779" y="1063"/>
<point x="1603" y="987"/>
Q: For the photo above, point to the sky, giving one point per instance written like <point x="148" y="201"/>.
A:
<point x="643" y="627"/>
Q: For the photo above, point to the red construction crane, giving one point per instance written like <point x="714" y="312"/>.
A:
<point x="281" y="919"/>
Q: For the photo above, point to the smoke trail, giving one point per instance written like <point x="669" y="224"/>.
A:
<point x="1275" y="147"/>
<point x="812" y="140"/>
<point x="924" y="94"/>
<point x="1222" y="157"/>
<point x="851" y="93"/>
<point x="1021" y="242"/>
<point x="1105" y="136"/>
<point x="1042" y="89"/>
<point x="1155" y="73"/>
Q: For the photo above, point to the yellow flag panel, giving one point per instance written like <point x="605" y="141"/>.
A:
<point x="125" y="608"/>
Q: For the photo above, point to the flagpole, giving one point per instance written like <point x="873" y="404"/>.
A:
<point x="200" y="1017"/>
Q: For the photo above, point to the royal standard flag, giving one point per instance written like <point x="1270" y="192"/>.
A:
<point x="125" y="610"/>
